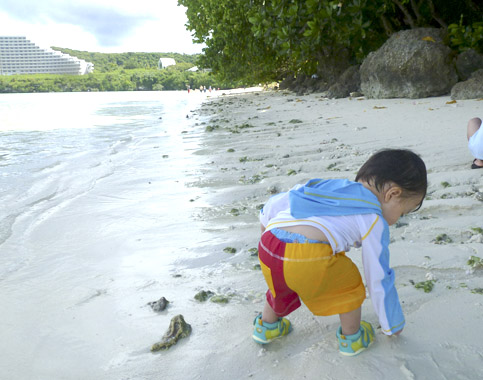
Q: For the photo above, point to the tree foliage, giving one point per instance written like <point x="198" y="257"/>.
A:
<point x="171" y="78"/>
<point x="266" y="39"/>
<point x="232" y="50"/>
<point x="105" y="62"/>
<point x="118" y="72"/>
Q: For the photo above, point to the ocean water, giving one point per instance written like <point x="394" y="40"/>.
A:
<point x="97" y="208"/>
<point x="88" y="173"/>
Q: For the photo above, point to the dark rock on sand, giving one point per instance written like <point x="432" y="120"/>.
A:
<point x="203" y="295"/>
<point x="349" y="81"/>
<point x="469" y="89"/>
<point x="410" y="64"/>
<point x="332" y="63"/>
<point x="467" y="63"/>
<point x="159" y="305"/>
<point x="178" y="329"/>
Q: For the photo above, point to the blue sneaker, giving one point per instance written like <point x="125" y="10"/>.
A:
<point x="264" y="332"/>
<point x="351" y="345"/>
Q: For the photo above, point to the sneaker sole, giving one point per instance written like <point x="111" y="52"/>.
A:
<point x="261" y="341"/>
<point x="357" y="352"/>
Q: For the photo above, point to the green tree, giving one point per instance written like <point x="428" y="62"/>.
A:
<point x="232" y="50"/>
<point x="261" y="40"/>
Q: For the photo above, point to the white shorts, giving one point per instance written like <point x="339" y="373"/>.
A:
<point x="475" y="144"/>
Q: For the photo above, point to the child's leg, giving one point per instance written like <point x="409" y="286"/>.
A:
<point x="475" y="142"/>
<point x="268" y="314"/>
<point x="350" y="322"/>
<point x="473" y="125"/>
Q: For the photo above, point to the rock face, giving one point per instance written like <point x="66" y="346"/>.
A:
<point x="411" y="64"/>
<point x="349" y="81"/>
<point x="332" y="62"/>
<point x="467" y="63"/>
<point x="469" y="89"/>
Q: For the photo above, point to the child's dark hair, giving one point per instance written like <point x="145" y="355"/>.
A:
<point x="400" y="166"/>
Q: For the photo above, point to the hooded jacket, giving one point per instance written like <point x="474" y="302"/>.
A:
<point x="350" y="216"/>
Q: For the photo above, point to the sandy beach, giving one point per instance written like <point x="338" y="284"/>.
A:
<point x="93" y="322"/>
<point x="265" y="142"/>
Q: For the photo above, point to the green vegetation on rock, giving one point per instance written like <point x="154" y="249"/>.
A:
<point x="475" y="262"/>
<point x="178" y="329"/>
<point x="442" y="239"/>
<point x="203" y="295"/>
<point x="427" y="286"/>
<point x="219" y="298"/>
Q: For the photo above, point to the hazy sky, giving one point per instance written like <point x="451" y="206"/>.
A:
<point x="100" y="25"/>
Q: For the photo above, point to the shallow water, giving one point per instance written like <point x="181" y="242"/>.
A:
<point x="113" y="164"/>
<point x="95" y="208"/>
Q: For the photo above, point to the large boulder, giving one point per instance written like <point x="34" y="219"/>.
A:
<point x="411" y="64"/>
<point x="469" y="89"/>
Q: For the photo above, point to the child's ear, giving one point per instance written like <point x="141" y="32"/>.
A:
<point x="392" y="192"/>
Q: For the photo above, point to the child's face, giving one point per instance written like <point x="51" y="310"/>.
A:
<point x="394" y="206"/>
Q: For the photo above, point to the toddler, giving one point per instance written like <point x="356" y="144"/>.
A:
<point x="475" y="142"/>
<point x="306" y="233"/>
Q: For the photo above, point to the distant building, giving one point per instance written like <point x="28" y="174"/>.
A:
<point x="20" y="56"/>
<point x="165" y="62"/>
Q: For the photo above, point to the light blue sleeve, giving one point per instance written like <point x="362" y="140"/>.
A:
<point x="380" y="278"/>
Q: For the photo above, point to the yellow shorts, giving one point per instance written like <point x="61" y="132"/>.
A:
<point x="328" y="284"/>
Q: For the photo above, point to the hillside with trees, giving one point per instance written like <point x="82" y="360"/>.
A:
<point x="118" y="72"/>
<point x="106" y="62"/>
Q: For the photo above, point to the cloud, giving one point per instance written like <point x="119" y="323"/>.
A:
<point x="109" y="25"/>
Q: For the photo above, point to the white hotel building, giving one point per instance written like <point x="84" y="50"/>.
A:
<point x="20" y="56"/>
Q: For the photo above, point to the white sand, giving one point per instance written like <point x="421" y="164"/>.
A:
<point x="444" y="330"/>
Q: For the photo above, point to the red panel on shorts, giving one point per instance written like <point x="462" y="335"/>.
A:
<point x="271" y="252"/>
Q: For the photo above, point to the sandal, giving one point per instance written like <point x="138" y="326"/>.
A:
<point x="264" y="332"/>
<point x="474" y="166"/>
<point x="351" y="345"/>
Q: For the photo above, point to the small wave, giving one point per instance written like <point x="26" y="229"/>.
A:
<point x="6" y="227"/>
<point x="118" y="145"/>
<point x="49" y="168"/>
<point x="43" y="199"/>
